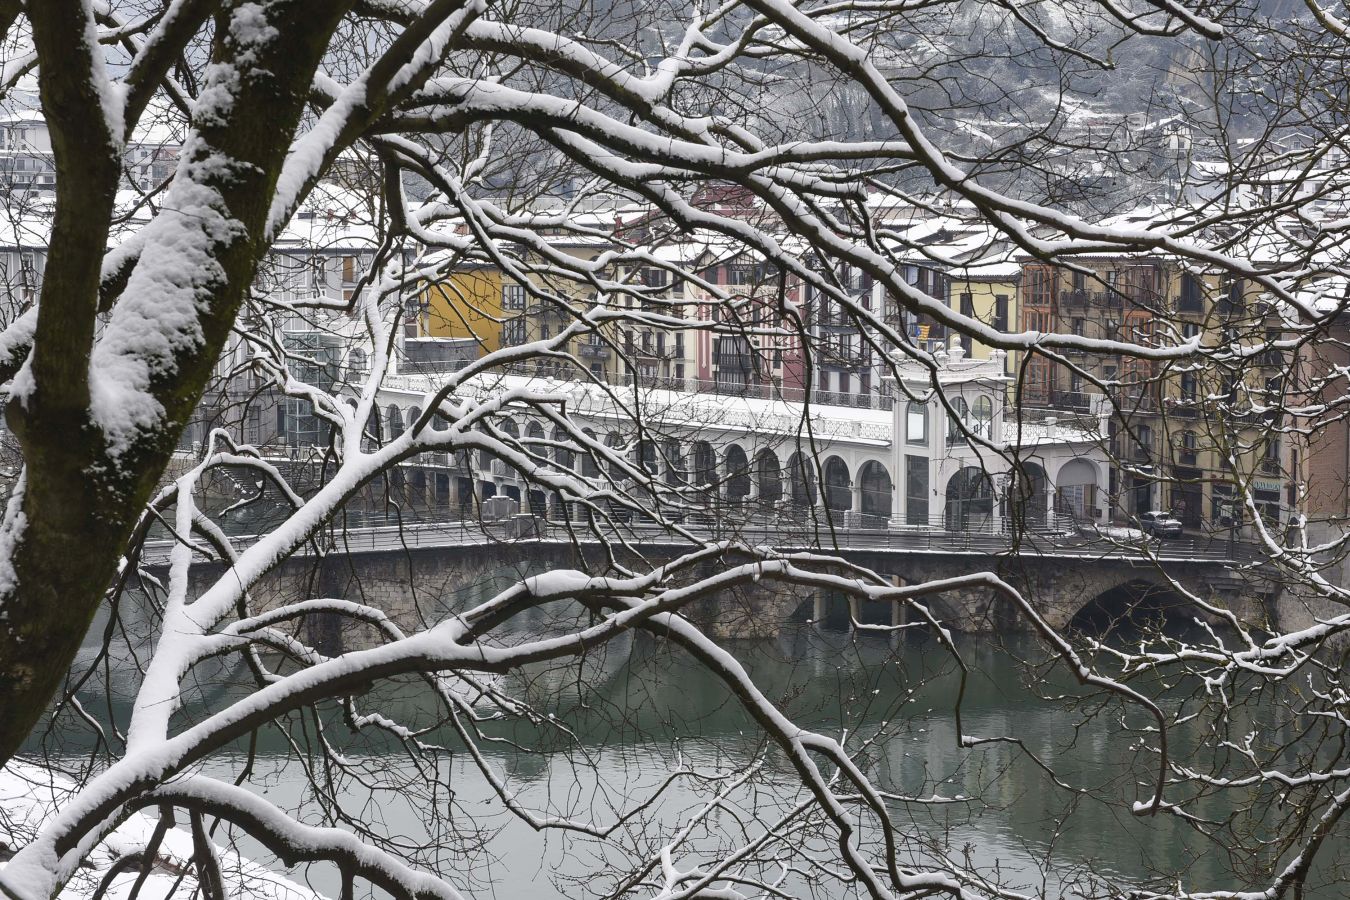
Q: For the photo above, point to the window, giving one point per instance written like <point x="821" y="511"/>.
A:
<point x="1270" y="455"/>
<point x="1001" y="312"/>
<point x="1268" y="506"/>
<point x="1225" y="511"/>
<point x="1186" y="448"/>
<point x="1232" y="301"/>
<point x="916" y="424"/>
<point x="958" y="417"/>
<point x="1189" y="390"/>
<point x="412" y="316"/>
<point x="1143" y="449"/>
<point x="968" y="310"/>
<point x="318" y="275"/>
<point x="1040" y="285"/>
<point x="916" y="490"/>
<point x="513" y="296"/>
<point x="513" y="332"/>
<point x="743" y="274"/>
<point x="984" y="416"/>
<point x="1192" y="297"/>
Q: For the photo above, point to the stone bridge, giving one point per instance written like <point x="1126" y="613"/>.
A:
<point x="419" y="575"/>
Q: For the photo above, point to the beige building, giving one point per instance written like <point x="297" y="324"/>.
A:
<point x="1185" y="438"/>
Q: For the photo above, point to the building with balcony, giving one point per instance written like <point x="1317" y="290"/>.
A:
<point x="1183" y="437"/>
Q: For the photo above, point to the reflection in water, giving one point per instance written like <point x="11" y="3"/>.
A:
<point x="611" y="728"/>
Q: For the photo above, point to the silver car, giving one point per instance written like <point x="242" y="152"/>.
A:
<point x="1160" y="524"/>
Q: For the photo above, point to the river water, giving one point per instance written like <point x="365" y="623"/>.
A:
<point x="637" y="710"/>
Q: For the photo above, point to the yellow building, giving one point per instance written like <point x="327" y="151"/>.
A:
<point x="469" y="303"/>
<point x="990" y="295"/>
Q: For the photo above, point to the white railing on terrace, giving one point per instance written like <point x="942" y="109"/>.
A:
<point x="755" y="391"/>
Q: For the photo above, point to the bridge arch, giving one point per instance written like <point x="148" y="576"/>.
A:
<point x="877" y="490"/>
<point x="838" y="485"/>
<point x="969" y="500"/>
<point x="1134" y="608"/>
<point x="768" y="476"/>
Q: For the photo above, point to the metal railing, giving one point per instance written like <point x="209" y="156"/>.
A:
<point x="805" y="536"/>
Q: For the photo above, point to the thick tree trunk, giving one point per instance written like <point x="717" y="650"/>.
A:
<point x="68" y="524"/>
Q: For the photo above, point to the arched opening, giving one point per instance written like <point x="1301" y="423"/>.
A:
<point x="499" y="467"/>
<point x="1076" y="491"/>
<point x="970" y="501"/>
<point x="417" y="489"/>
<point x="394" y="416"/>
<point x="877" y="492"/>
<point x="838" y="485"/>
<point x="1136" y="610"/>
<point x="1029" y="495"/>
<point x="563" y="456"/>
<point x="705" y="463"/>
<point x="373" y="436"/>
<point x="538" y="505"/>
<point x="768" y="477"/>
<point x="674" y="462"/>
<point x="414" y="415"/>
<point x="464" y="490"/>
<point x="534" y="435"/>
<point x="588" y="467"/>
<point x="802" y="477"/>
<point x="738" y="474"/>
<point x="647" y="456"/>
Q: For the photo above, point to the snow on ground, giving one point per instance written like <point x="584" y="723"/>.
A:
<point x="29" y="794"/>
<point x="1118" y="533"/>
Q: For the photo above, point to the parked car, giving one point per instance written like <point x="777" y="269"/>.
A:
<point x="1160" y="524"/>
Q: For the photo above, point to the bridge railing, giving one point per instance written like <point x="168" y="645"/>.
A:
<point x="527" y="528"/>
